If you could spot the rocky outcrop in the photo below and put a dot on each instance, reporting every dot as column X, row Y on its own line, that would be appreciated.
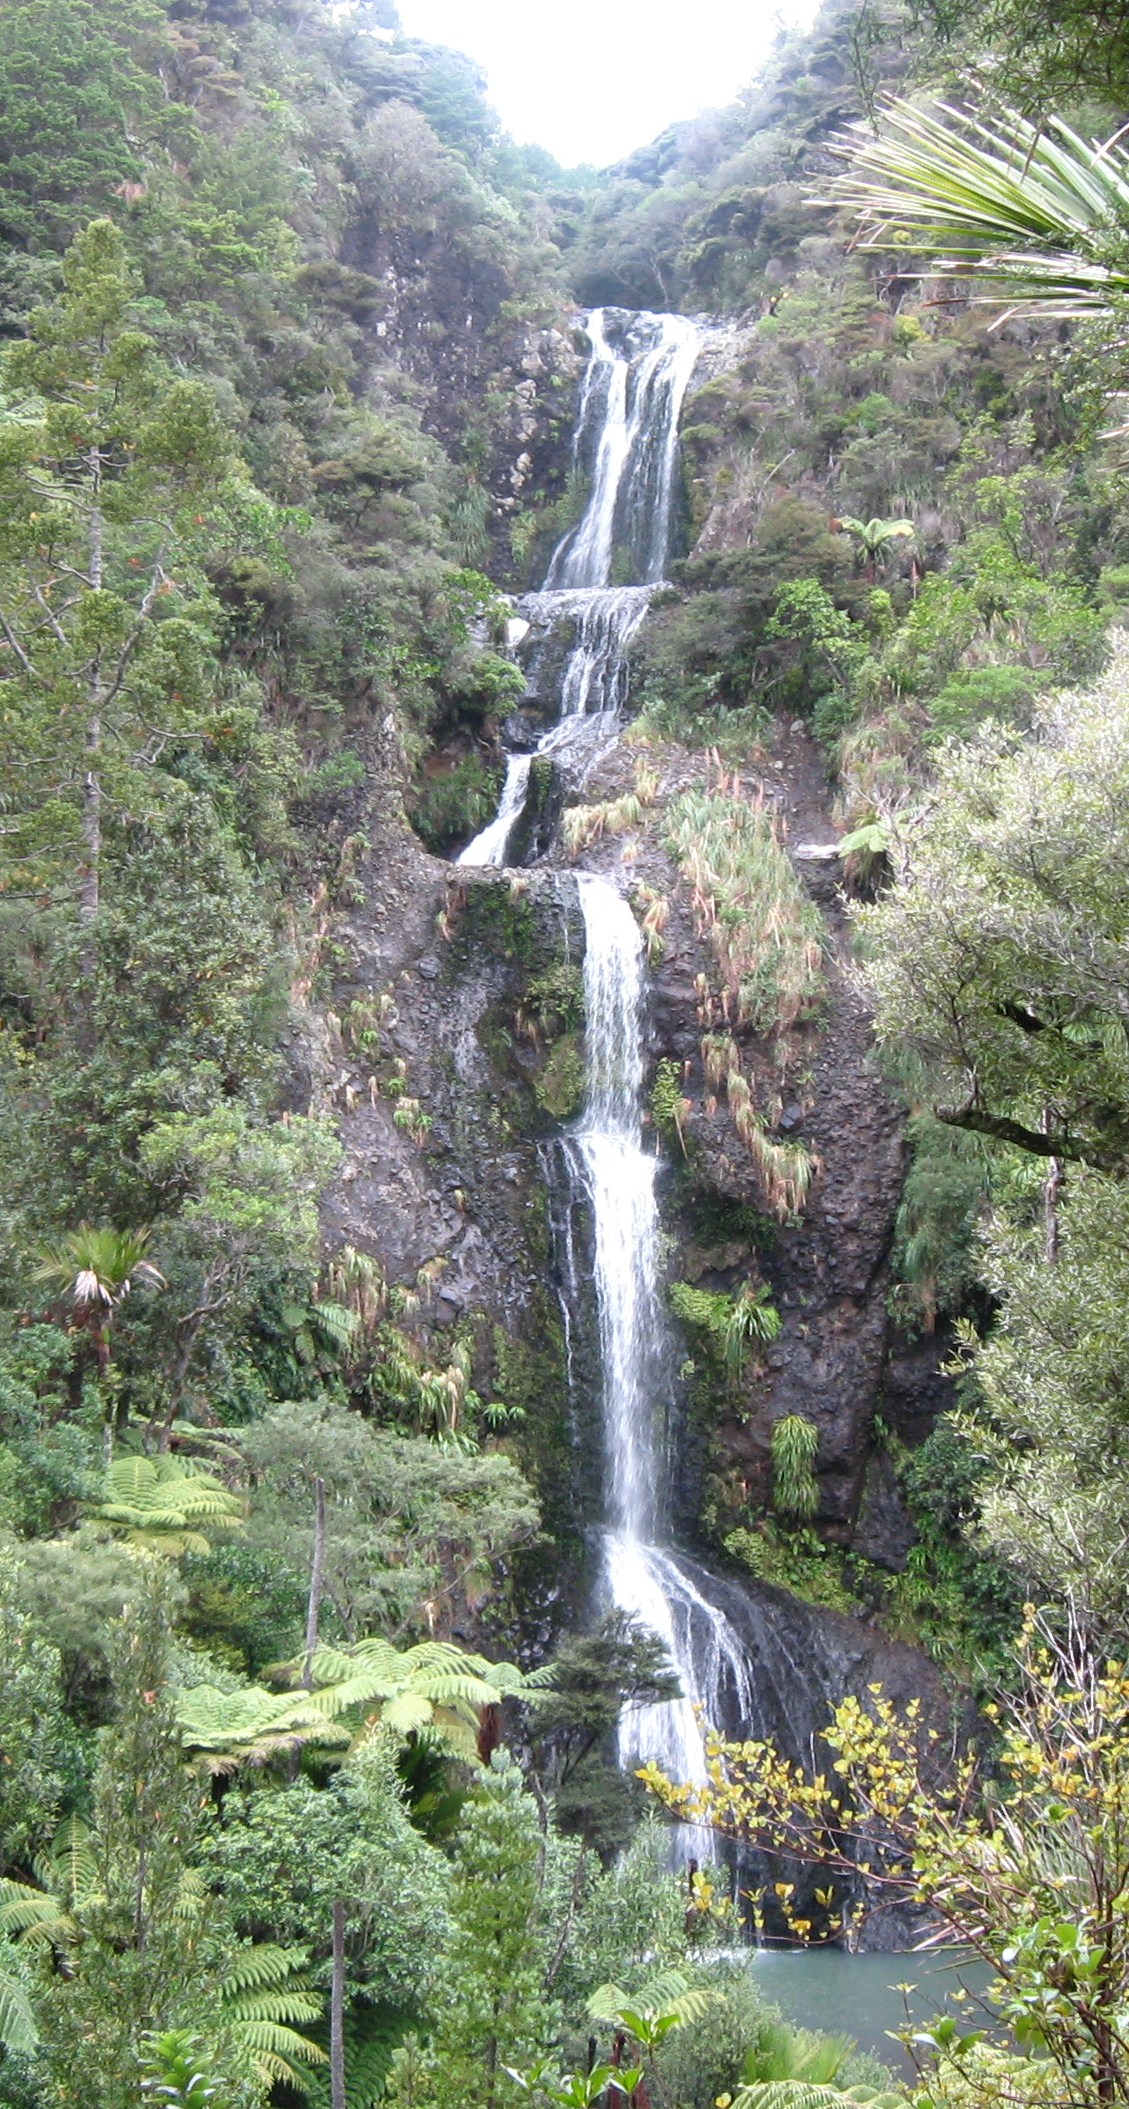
column 440, row 1060
column 498, row 392
column 827, row 1270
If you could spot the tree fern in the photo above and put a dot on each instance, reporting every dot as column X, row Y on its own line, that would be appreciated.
column 670, row 2000
column 808, row 2094
column 159, row 1503
column 250, row 1725
column 372, row 2037
column 266, row 2000
column 18, row 2031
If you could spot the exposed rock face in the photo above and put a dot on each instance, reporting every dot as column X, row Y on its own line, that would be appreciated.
column 436, row 312
column 449, row 1197
column 828, row 1272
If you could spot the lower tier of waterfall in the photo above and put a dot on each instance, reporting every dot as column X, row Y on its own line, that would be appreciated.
column 575, row 649
column 611, row 1179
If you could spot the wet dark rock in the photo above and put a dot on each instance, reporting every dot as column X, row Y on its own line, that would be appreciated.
column 884, row 1530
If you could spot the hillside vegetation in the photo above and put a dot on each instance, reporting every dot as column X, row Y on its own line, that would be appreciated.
column 309, row 1787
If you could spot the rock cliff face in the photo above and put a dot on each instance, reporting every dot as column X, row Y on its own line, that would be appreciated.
column 470, row 985
column 461, row 965
column 498, row 393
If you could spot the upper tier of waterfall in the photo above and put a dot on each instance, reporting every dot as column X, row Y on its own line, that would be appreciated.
column 580, row 626
column 627, row 442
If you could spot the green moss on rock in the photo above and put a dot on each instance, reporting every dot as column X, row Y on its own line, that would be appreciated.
column 560, row 1085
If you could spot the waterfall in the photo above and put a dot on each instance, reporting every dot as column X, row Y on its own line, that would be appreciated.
column 606, row 1161
column 491, row 845
column 627, row 435
column 637, row 376
column 600, row 625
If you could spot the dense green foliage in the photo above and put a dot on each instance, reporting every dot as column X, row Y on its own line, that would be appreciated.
column 279, row 312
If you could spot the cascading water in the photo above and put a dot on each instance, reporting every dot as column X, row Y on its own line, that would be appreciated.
column 637, row 376
column 606, row 1162
column 491, row 845
column 627, row 438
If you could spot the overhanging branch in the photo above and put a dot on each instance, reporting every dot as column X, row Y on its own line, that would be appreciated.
column 997, row 1125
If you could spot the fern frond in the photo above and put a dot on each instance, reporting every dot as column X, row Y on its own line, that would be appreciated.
column 17, row 2022
column 270, row 2038
column 803, row 2094
column 264, row 1964
column 288, row 2007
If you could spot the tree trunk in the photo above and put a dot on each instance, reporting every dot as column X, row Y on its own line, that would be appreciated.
column 337, row 2007
column 317, row 1585
column 90, row 879
column 1052, row 1190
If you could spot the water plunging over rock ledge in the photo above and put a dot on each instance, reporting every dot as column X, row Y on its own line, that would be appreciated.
column 581, row 625
column 563, row 1280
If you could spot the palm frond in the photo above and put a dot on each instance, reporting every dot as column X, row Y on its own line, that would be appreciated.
column 1038, row 210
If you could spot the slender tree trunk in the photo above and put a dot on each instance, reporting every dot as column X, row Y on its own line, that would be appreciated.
column 90, row 881
column 317, row 1585
column 1052, row 1191
column 337, row 2007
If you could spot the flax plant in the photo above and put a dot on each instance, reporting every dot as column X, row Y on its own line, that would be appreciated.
column 1036, row 209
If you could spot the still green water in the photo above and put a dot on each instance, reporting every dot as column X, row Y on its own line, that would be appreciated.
column 856, row 1995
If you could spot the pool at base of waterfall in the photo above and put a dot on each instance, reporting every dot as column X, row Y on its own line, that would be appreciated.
column 860, row 1995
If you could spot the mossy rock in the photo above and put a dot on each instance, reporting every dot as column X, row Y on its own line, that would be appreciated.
column 560, row 1086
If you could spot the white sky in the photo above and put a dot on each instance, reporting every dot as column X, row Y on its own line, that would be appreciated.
column 592, row 79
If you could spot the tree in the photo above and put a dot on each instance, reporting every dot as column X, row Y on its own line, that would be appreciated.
column 596, row 1676
column 35, row 1736
column 246, row 1195
column 96, row 1269
column 1040, row 49
column 492, row 2013
column 873, row 539
column 996, row 960
column 410, row 1527
column 1045, row 1410
column 81, row 108
column 1030, row 207
column 1028, row 1866
column 285, row 1854
column 108, row 469
column 148, row 1944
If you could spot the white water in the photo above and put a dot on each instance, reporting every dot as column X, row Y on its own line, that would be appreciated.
column 630, row 405
column 643, row 1576
column 632, row 398
column 628, row 427
column 491, row 845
